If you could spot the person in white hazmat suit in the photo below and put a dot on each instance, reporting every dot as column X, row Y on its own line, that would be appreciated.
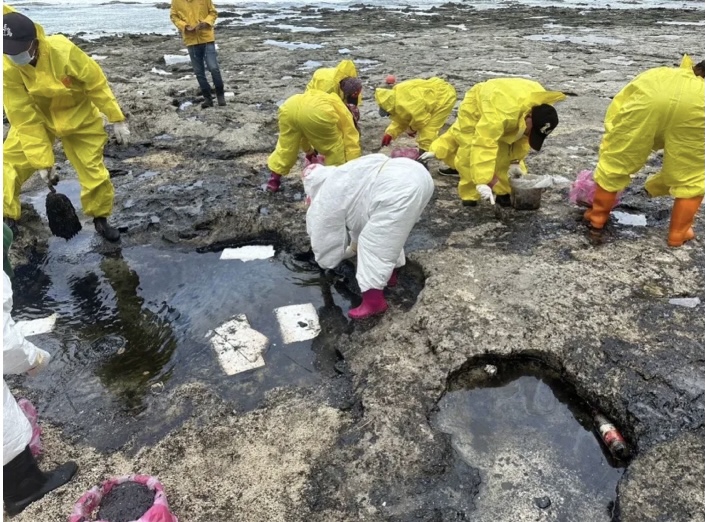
column 366, row 207
column 23, row 481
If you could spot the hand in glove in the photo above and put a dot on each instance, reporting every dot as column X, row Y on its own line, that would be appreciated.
column 411, row 132
column 515, row 171
column 311, row 155
column 426, row 156
column 351, row 251
column 121, row 132
column 386, row 140
column 49, row 176
column 40, row 362
column 486, row 193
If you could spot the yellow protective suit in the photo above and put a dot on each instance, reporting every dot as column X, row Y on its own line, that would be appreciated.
column 314, row 120
column 489, row 133
column 62, row 96
column 8, row 9
column 327, row 79
column 192, row 12
column 662, row 108
column 421, row 106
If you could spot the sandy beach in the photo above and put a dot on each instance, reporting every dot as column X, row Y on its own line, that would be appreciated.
column 528, row 284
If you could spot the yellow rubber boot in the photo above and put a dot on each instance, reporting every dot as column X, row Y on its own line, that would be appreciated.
column 601, row 207
column 682, row 217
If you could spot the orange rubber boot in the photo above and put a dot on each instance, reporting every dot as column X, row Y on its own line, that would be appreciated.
column 601, row 207
column 682, row 217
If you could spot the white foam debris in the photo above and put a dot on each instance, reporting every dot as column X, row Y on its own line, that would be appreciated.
column 632, row 220
column 344, row 50
column 248, row 253
column 175, row 59
column 297, row 29
column 99, row 57
column 229, row 94
column 293, row 45
column 298, row 322
column 238, row 346
column 37, row 326
column 311, row 64
column 160, row 72
column 461, row 27
column 688, row 302
column 185, row 105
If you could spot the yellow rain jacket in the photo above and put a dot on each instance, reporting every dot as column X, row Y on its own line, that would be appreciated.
column 192, row 12
column 63, row 95
column 420, row 106
column 489, row 132
column 687, row 62
column 327, row 79
column 314, row 120
column 662, row 108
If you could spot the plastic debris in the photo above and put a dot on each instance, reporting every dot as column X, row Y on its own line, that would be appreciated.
column 632, row 220
column 611, row 437
column 582, row 191
column 185, row 105
column 248, row 253
column 688, row 302
column 160, row 72
column 35, row 443
column 490, row 369
column 238, row 346
column 298, row 322
column 98, row 57
column 175, row 59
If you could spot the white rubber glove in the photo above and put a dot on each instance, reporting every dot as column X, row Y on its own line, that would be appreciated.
column 122, row 132
column 515, row 171
column 351, row 251
column 40, row 362
column 49, row 176
column 486, row 193
column 426, row 156
column 560, row 181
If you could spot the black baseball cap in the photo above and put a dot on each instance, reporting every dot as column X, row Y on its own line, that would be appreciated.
column 544, row 119
column 18, row 33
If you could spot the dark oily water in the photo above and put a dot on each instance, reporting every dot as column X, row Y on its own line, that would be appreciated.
column 126, row 502
column 133, row 326
column 532, row 441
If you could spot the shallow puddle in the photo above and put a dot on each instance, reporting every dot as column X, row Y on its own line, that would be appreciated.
column 532, row 440
column 135, row 323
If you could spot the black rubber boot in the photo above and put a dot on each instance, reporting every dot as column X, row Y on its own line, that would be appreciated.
column 220, row 95
column 23, row 482
column 104, row 229
column 207, row 102
column 505, row 200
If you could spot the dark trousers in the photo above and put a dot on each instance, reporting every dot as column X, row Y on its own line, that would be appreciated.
column 202, row 56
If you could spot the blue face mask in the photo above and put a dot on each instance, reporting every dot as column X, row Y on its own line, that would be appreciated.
column 23, row 58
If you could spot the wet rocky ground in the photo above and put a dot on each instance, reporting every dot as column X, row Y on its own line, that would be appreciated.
column 595, row 310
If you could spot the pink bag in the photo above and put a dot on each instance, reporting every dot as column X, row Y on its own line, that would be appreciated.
column 582, row 191
column 318, row 159
column 35, row 443
column 406, row 152
column 90, row 501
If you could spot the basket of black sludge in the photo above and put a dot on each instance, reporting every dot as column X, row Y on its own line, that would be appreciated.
column 132, row 498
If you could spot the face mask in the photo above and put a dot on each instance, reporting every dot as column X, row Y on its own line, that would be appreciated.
column 23, row 58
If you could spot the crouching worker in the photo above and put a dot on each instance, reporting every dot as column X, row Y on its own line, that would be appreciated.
column 418, row 107
column 314, row 121
column 662, row 108
column 22, row 480
column 367, row 208
column 341, row 80
column 51, row 88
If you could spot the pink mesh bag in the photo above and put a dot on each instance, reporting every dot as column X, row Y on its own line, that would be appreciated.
column 35, row 443
column 405, row 152
column 582, row 191
column 90, row 501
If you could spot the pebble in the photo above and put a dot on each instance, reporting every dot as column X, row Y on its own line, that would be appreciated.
column 542, row 502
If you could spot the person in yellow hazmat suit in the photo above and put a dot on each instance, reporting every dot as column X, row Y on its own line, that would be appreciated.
column 51, row 88
column 499, row 120
column 662, row 108
column 195, row 20
column 418, row 107
column 315, row 122
column 698, row 68
column 341, row 80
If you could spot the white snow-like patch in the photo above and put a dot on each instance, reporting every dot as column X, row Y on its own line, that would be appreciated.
column 298, row 322
column 248, row 253
column 238, row 346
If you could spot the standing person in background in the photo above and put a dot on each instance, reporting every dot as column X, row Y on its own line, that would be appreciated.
column 51, row 88
column 195, row 19
column 418, row 107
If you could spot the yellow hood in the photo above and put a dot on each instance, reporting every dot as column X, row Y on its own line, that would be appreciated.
column 386, row 99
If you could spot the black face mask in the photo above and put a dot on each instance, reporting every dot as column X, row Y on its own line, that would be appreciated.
column 383, row 113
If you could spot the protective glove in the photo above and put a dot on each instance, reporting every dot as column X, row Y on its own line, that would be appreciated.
column 426, row 156
column 411, row 132
column 121, row 132
column 515, row 171
column 49, row 176
column 351, row 251
column 311, row 155
column 486, row 193
column 40, row 362
column 386, row 140
column 560, row 181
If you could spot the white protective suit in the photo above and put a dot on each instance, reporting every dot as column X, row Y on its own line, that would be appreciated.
column 18, row 356
column 374, row 202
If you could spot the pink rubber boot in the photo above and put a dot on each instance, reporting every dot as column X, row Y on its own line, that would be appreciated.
column 392, row 279
column 274, row 182
column 373, row 303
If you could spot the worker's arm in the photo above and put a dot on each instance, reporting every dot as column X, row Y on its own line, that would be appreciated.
column 18, row 354
column 25, row 118
column 86, row 69
column 212, row 14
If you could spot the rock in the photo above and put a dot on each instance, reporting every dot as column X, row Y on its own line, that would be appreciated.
column 542, row 502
